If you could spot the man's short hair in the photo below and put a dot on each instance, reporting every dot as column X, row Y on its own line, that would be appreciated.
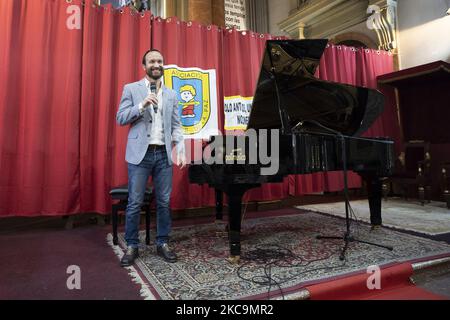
column 147, row 52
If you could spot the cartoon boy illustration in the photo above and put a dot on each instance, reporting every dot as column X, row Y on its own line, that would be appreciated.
column 188, row 94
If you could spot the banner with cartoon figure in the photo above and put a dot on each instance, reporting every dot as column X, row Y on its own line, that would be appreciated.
column 197, row 99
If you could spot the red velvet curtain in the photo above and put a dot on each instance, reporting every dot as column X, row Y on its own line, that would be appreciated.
column 242, row 56
column 113, row 44
column 40, row 72
column 189, row 44
column 373, row 63
column 61, row 149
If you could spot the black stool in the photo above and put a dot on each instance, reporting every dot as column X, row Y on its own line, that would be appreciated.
column 121, row 194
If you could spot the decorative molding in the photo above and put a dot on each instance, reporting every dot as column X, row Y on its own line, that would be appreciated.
column 356, row 36
column 331, row 18
column 311, row 14
column 385, row 23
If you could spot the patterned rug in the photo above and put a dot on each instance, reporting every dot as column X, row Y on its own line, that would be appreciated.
column 431, row 219
column 279, row 256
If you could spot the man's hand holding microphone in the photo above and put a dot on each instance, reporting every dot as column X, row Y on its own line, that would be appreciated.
column 151, row 99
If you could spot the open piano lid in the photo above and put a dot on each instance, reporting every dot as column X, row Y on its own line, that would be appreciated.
column 344, row 108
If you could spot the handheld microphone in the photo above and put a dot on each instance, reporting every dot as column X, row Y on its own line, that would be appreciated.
column 153, row 90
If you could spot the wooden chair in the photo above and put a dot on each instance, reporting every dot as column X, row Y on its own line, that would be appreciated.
column 413, row 171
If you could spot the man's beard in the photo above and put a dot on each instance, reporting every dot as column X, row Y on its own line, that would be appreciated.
column 155, row 77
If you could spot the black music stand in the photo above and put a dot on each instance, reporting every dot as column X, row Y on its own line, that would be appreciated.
column 347, row 237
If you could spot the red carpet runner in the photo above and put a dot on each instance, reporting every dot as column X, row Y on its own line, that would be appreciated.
column 394, row 285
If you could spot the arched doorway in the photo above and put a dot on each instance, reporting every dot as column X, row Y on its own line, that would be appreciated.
column 355, row 39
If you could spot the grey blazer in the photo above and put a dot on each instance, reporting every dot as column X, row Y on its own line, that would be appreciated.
column 140, row 125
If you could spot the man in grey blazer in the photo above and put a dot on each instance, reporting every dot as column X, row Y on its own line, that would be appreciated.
column 151, row 111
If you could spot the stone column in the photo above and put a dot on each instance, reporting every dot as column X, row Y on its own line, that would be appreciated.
column 200, row 11
column 169, row 8
column 218, row 13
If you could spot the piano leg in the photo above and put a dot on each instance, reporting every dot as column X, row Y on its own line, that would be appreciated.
column 375, row 193
column 221, row 227
column 219, row 204
column 235, row 194
column 234, row 227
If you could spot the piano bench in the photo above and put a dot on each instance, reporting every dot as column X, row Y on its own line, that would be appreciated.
column 121, row 194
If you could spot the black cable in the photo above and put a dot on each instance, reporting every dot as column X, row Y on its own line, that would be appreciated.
column 270, row 258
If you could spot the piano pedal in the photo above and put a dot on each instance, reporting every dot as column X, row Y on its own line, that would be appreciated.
column 374, row 228
column 234, row 259
column 221, row 229
column 221, row 234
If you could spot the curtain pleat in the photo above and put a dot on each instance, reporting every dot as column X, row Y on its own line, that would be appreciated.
column 61, row 149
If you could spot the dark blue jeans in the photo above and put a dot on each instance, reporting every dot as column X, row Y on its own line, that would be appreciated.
column 156, row 164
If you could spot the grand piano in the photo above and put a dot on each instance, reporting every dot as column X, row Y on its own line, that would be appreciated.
column 302, row 125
